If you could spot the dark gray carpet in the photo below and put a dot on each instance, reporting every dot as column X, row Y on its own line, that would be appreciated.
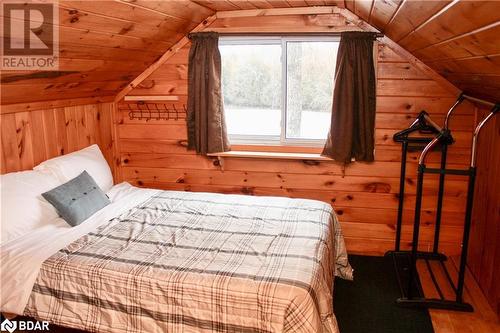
column 367, row 304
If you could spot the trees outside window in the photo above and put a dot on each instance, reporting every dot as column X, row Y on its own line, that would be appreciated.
column 278, row 90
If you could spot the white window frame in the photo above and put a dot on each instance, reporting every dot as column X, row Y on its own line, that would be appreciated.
column 282, row 40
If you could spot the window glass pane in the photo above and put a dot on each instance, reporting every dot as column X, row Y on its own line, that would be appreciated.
column 251, row 86
column 310, row 73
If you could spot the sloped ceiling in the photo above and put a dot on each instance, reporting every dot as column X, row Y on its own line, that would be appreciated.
column 105, row 44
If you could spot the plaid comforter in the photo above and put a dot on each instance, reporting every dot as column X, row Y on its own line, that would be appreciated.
column 199, row 262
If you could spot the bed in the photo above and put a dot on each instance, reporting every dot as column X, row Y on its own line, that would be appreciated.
column 169, row 261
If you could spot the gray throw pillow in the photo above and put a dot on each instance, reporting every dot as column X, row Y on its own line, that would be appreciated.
column 77, row 199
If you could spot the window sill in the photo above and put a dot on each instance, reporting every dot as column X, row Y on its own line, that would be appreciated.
column 269, row 155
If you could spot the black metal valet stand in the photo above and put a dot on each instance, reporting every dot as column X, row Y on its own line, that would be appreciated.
column 405, row 262
column 423, row 126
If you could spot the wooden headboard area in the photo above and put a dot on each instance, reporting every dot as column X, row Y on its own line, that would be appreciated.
column 31, row 137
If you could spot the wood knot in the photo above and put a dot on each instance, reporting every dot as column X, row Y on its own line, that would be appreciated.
column 125, row 30
column 146, row 85
column 378, row 187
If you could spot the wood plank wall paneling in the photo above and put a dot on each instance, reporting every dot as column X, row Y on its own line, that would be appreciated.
column 31, row 137
column 153, row 154
column 484, row 254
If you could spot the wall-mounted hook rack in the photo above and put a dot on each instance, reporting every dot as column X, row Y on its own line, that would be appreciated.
column 155, row 111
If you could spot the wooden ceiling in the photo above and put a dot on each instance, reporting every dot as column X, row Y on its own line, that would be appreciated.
column 106, row 44
column 103, row 46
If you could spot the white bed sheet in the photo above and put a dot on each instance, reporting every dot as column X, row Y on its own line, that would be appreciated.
column 21, row 259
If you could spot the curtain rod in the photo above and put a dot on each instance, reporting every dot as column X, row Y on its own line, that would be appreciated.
column 227, row 34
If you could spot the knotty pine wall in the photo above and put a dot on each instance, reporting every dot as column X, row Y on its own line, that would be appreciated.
column 153, row 154
column 31, row 137
column 484, row 253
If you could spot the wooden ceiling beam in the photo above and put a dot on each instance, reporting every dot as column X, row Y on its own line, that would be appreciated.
column 167, row 55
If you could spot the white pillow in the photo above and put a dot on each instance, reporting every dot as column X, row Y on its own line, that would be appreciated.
column 23, row 209
column 69, row 166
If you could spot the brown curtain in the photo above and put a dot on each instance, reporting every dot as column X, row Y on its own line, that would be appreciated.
column 353, row 111
column 205, row 109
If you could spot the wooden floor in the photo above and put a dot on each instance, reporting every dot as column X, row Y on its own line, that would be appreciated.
column 482, row 320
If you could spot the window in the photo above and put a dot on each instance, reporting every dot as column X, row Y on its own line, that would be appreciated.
column 278, row 90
